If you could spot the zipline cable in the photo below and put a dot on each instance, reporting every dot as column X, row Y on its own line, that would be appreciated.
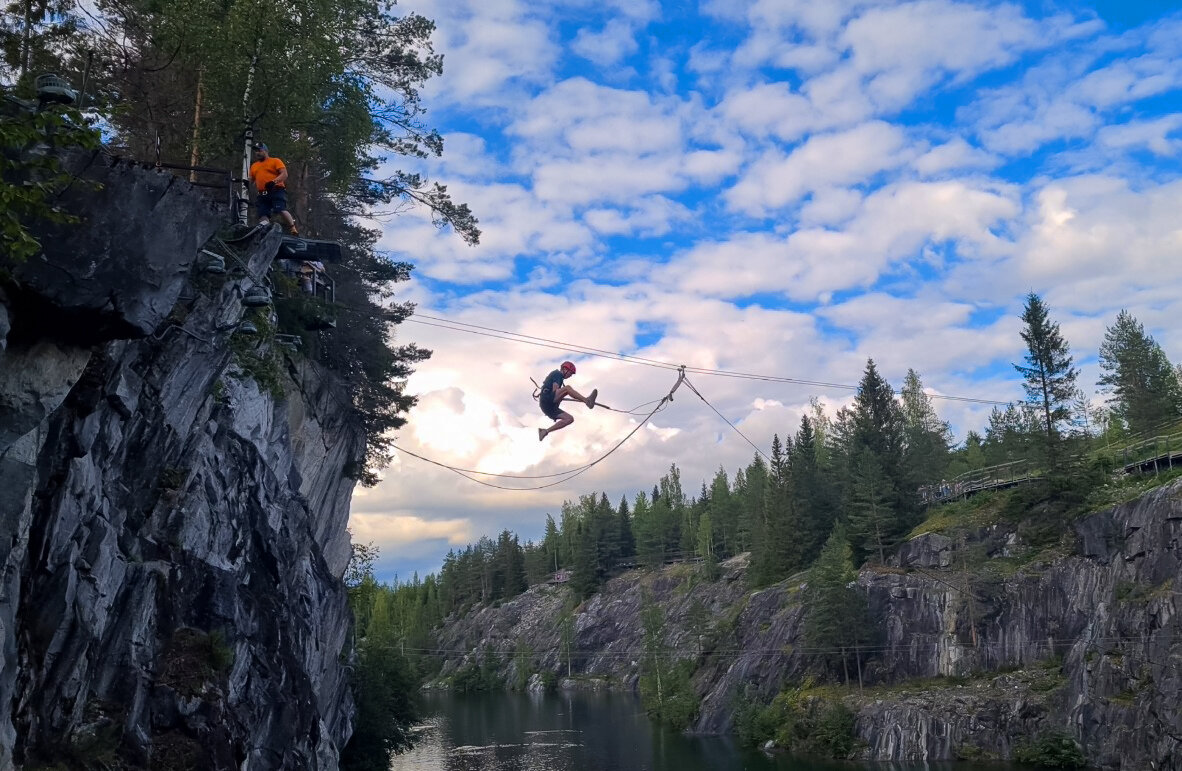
column 544, row 342
column 724, row 420
column 567, row 475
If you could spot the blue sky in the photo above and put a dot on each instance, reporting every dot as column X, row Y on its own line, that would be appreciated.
column 784, row 187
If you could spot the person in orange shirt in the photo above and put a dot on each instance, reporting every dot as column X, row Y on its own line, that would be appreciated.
column 270, row 178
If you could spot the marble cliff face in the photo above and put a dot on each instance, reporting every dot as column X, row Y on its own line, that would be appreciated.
column 172, row 537
column 1085, row 639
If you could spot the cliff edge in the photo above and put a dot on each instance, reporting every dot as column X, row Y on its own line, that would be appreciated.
column 172, row 535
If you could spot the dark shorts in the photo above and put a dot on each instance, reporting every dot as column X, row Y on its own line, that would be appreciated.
column 271, row 203
column 549, row 408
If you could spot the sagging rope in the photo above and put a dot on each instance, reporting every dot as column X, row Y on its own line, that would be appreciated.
column 567, row 475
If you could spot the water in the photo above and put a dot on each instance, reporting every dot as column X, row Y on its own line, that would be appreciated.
column 579, row 731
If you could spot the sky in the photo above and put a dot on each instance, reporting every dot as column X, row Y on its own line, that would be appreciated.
column 779, row 187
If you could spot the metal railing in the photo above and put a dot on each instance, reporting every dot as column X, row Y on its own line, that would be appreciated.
column 199, row 176
column 989, row 478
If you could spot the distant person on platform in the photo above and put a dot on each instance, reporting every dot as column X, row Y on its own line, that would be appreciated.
column 270, row 179
column 553, row 391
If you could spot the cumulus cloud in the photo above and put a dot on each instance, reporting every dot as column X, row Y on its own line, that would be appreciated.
column 845, row 158
column 609, row 46
column 815, row 183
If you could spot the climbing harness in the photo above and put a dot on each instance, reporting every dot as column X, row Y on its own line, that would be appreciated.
column 637, row 410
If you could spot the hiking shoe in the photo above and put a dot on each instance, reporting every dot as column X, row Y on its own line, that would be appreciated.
column 591, row 399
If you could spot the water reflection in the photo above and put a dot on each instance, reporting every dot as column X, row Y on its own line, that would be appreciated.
column 581, row 732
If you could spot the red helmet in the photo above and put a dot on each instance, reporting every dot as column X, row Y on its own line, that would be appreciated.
column 568, row 365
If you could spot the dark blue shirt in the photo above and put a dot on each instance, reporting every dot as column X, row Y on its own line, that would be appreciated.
column 555, row 378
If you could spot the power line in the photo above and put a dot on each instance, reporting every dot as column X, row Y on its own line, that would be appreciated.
column 544, row 342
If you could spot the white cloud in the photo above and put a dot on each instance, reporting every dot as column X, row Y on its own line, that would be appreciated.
column 954, row 155
column 892, row 225
column 844, row 158
column 608, row 47
column 491, row 49
column 1152, row 135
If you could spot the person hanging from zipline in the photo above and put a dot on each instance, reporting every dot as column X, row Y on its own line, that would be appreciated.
column 553, row 391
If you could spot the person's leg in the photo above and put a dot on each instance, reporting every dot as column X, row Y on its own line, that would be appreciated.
column 279, row 208
column 286, row 218
column 568, row 392
column 262, row 205
column 563, row 420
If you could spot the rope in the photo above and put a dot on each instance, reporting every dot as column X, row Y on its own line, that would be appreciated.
column 566, row 475
column 724, row 420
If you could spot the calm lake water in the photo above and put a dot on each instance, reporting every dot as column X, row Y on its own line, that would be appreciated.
column 580, row 731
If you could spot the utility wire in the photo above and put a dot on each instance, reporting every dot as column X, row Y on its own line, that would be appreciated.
column 543, row 342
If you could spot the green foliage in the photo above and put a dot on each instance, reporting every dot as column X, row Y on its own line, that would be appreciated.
column 1051, row 749
column 388, row 622
column 835, row 609
column 1049, row 374
column 256, row 357
column 221, row 655
column 384, row 691
column 668, row 695
column 800, row 720
column 1143, row 386
column 31, row 174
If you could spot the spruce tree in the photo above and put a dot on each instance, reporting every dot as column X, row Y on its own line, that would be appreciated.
column 813, row 502
column 624, row 532
column 927, row 437
column 873, row 522
column 1049, row 372
column 877, row 428
column 1143, row 384
column 834, row 608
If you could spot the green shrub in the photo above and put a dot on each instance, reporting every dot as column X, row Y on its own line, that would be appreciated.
column 799, row 720
column 668, row 694
column 1051, row 749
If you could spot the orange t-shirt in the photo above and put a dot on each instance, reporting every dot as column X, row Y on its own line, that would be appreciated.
column 266, row 171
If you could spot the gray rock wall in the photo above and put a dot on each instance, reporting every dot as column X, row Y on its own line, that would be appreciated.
column 1091, row 630
column 172, row 538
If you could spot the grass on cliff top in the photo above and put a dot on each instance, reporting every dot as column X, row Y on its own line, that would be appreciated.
column 979, row 511
column 1126, row 488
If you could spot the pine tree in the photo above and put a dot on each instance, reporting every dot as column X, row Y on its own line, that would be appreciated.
column 835, row 609
column 552, row 545
column 624, row 530
column 876, row 428
column 813, row 501
column 927, row 437
column 873, row 523
column 724, row 515
column 1143, row 384
column 1049, row 373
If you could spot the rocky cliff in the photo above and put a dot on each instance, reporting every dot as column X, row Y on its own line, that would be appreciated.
column 981, row 642
column 172, row 536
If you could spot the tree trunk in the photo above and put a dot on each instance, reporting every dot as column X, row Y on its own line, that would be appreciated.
column 26, row 41
column 194, row 155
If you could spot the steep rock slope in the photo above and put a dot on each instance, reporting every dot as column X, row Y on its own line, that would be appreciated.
column 172, row 538
column 1084, row 637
